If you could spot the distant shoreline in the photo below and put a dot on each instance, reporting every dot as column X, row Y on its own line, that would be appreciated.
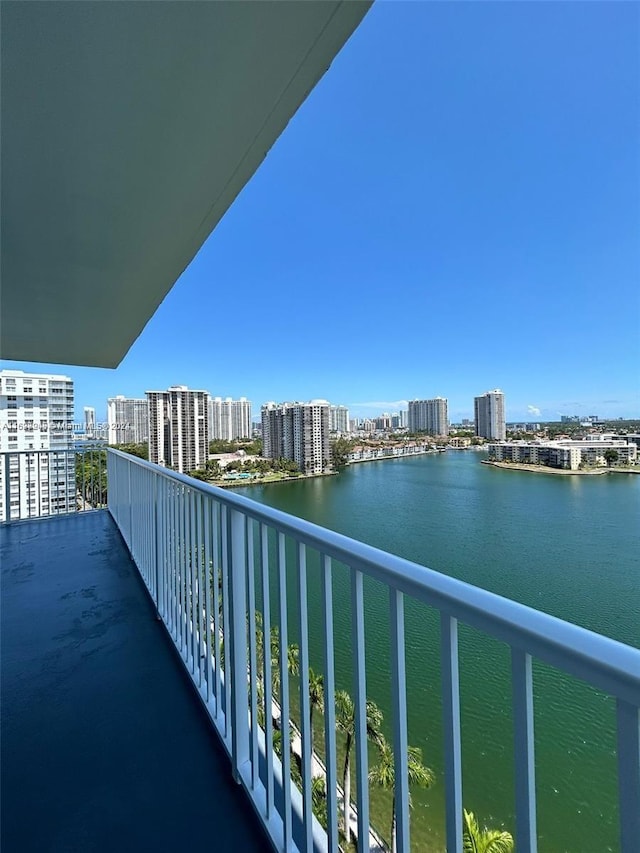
column 544, row 469
column 235, row 484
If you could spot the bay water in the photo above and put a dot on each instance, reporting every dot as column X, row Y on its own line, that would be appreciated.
column 564, row 545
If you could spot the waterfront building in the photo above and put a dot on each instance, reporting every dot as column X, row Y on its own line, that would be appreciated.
column 490, row 415
column 565, row 453
column 127, row 420
column 229, row 419
column 339, row 419
column 36, row 414
column 459, row 442
column 431, row 416
column 179, row 428
column 297, row 431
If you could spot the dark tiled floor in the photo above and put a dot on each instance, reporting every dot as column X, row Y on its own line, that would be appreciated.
column 104, row 744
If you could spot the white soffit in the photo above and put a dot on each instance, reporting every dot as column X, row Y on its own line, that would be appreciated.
column 128, row 128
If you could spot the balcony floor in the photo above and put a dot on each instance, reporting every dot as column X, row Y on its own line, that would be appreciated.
column 104, row 744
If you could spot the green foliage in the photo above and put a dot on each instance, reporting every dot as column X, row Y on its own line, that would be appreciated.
column 340, row 449
column 383, row 775
column 140, row 450
column 251, row 448
column 610, row 456
column 255, row 466
column 477, row 840
column 91, row 476
column 346, row 722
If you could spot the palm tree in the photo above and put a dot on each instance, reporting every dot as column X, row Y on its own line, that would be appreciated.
column 293, row 655
column 319, row 799
column 384, row 776
column 316, row 698
column 476, row 840
column 346, row 722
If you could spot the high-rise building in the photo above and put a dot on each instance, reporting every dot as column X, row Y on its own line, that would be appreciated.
column 89, row 422
column 36, row 414
column 297, row 431
column 489, row 415
column 128, row 420
column 229, row 419
column 179, row 428
column 430, row 416
column 339, row 419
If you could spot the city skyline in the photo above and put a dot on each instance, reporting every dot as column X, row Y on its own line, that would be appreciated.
column 500, row 192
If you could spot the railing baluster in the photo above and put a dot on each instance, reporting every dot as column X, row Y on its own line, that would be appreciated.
column 329, row 706
column 628, row 726
column 226, row 625
column 305, row 710
column 284, row 689
column 251, row 604
column 525, row 783
column 217, row 562
column 164, row 548
column 451, row 730
column 174, row 561
column 399, row 705
column 266, row 663
column 200, row 658
column 360, row 702
column 236, row 631
column 193, row 559
column 184, row 586
column 207, row 585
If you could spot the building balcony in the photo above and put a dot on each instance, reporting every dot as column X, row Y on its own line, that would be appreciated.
column 140, row 701
column 104, row 746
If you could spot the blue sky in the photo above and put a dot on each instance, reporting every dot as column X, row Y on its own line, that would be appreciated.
column 455, row 208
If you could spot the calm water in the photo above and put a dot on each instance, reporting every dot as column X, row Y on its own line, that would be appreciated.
column 565, row 545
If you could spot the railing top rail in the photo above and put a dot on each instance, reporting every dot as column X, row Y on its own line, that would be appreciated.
column 607, row 664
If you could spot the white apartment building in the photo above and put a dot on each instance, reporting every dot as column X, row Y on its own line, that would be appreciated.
column 339, row 419
column 297, row 431
column 89, row 422
column 431, row 416
column 128, row 420
column 179, row 428
column 36, row 425
column 229, row 419
column 489, row 413
column 564, row 453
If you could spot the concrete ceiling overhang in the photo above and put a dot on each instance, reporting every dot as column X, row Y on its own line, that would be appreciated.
column 128, row 129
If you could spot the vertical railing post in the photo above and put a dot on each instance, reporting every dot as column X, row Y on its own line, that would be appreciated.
column 399, row 700
column 628, row 725
column 525, row 783
column 6, row 461
column 237, row 634
column 360, row 707
column 451, row 729
column 156, row 543
column 129, row 537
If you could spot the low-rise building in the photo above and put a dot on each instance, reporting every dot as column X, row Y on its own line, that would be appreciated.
column 565, row 453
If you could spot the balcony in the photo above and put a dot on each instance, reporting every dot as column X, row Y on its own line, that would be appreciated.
column 104, row 747
column 144, row 627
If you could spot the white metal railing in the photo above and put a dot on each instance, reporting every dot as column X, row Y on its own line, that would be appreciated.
column 208, row 558
column 39, row 483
